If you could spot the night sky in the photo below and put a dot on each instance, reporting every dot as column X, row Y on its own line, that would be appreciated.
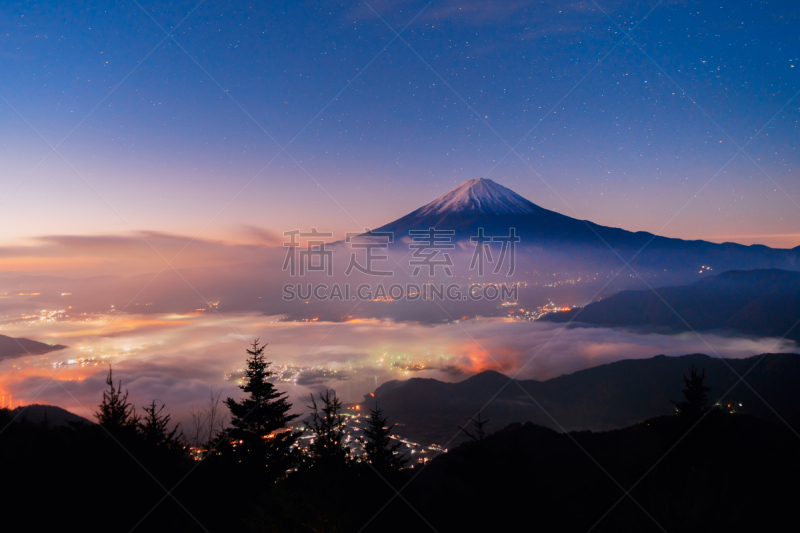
column 204, row 131
column 181, row 134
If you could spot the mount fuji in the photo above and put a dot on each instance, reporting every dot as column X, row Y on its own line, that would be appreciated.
column 552, row 242
column 482, row 196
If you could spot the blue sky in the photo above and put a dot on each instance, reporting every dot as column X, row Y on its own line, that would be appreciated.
column 161, row 134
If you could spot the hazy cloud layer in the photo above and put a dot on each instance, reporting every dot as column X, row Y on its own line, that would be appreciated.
column 179, row 363
column 130, row 254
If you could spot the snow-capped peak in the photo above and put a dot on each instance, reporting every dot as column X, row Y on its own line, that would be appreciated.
column 480, row 195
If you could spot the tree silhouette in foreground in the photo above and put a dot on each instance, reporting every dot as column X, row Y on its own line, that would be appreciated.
column 208, row 423
column 259, row 420
column 327, row 424
column 380, row 451
column 477, row 424
column 116, row 414
column 154, row 428
column 695, row 393
column 320, row 495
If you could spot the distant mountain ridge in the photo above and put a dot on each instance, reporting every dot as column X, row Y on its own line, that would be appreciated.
column 746, row 302
column 11, row 347
column 602, row 398
column 52, row 415
column 554, row 242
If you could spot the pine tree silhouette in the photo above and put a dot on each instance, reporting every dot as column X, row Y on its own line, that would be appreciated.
column 154, row 428
column 695, row 393
column 327, row 424
column 477, row 424
column 116, row 414
column 259, row 434
column 380, row 451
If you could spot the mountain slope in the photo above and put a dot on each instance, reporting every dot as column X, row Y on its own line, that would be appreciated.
column 484, row 203
column 480, row 195
column 11, row 347
column 752, row 302
column 554, row 242
column 605, row 397
column 38, row 414
column 572, row 482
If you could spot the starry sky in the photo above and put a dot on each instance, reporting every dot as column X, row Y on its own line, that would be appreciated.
column 223, row 119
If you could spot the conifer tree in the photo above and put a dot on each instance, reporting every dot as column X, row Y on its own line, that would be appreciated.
column 259, row 420
column 695, row 394
column 154, row 428
column 327, row 424
column 380, row 451
column 116, row 414
column 477, row 425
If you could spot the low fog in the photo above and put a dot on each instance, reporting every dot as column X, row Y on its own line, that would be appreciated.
column 179, row 359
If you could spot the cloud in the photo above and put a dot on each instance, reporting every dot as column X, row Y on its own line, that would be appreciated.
column 94, row 273
column 129, row 254
column 179, row 365
column 452, row 370
column 317, row 378
column 260, row 236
